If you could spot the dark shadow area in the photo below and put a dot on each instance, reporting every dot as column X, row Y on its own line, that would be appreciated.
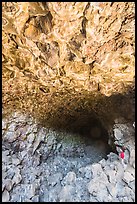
column 82, row 113
column 79, row 113
column 94, row 119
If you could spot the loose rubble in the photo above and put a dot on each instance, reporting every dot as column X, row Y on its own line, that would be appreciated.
column 43, row 165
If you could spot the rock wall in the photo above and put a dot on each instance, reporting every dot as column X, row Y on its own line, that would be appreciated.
column 42, row 165
column 71, row 66
column 69, row 62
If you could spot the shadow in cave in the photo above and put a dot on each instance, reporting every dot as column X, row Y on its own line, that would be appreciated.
column 92, row 122
column 81, row 113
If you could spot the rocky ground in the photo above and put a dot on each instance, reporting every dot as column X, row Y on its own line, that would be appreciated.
column 43, row 165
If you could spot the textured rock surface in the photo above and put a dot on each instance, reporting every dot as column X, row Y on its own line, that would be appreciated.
column 79, row 54
column 70, row 65
column 61, row 169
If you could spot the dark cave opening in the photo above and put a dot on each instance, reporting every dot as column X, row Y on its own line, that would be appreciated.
column 92, row 130
column 92, row 119
column 87, row 126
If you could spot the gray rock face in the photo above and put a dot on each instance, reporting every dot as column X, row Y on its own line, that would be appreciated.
column 98, row 189
column 67, row 193
column 128, row 177
column 54, row 179
column 5, row 196
column 70, row 178
column 8, row 184
column 118, row 134
column 47, row 166
column 35, row 198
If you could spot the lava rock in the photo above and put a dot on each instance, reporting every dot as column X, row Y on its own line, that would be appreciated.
column 128, row 177
column 66, row 194
column 5, row 196
column 54, row 179
column 70, row 178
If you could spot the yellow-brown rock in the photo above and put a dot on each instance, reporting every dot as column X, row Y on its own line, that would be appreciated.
column 64, row 62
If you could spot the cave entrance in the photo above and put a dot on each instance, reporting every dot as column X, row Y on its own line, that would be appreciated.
column 86, row 132
column 82, row 124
